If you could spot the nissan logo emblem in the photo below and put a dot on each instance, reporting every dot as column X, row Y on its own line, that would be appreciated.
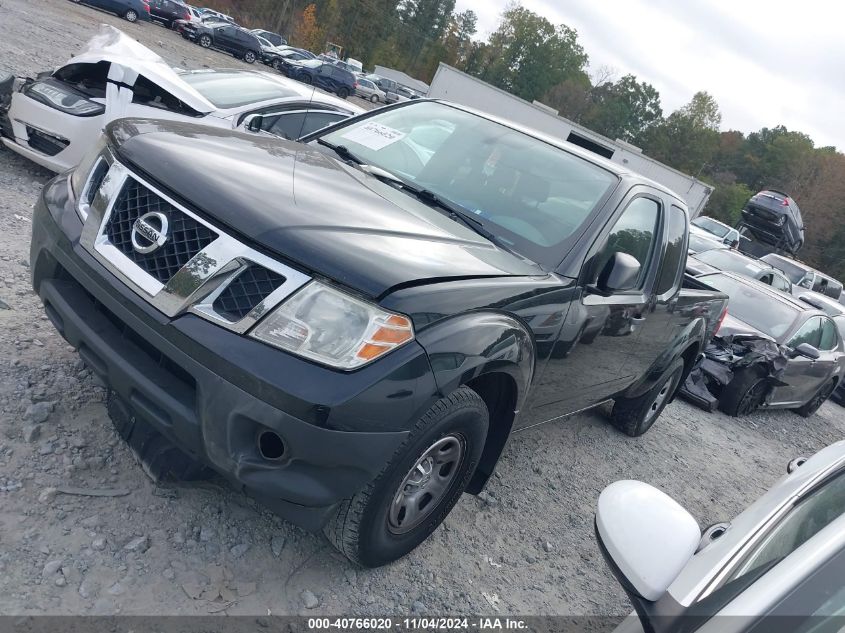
column 149, row 232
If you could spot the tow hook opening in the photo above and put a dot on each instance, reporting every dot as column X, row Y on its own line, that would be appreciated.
column 271, row 446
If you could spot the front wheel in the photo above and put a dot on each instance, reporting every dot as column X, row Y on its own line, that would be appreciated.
column 374, row 98
column 746, row 392
column 818, row 400
column 131, row 16
column 249, row 57
column 277, row 65
column 205, row 41
column 424, row 479
column 343, row 93
column 306, row 79
column 635, row 416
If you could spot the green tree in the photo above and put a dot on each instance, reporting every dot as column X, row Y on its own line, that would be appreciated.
column 688, row 139
column 623, row 109
column 527, row 54
column 425, row 21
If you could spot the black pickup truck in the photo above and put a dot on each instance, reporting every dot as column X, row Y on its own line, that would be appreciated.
column 350, row 328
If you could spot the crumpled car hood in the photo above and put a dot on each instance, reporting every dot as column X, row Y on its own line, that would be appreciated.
column 114, row 46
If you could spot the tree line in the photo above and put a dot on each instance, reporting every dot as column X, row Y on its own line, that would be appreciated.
column 529, row 56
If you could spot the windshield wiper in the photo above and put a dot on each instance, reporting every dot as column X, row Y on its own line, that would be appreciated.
column 454, row 210
column 342, row 151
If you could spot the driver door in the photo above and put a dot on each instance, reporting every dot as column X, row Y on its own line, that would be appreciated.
column 591, row 359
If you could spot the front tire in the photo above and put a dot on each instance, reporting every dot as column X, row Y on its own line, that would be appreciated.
column 131, row 16
column 249, row 57
column 343, row 93
column 635, row 416
column 421, row 483
column 374, row 99
column 817, row 400
column 745, row 393
column 205, row 41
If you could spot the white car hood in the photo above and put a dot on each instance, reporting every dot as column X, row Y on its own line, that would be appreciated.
column 130, row 58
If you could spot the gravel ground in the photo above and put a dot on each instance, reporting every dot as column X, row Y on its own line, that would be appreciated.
column 525, row 546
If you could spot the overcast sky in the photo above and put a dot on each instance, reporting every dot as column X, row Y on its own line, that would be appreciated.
column 766, row 63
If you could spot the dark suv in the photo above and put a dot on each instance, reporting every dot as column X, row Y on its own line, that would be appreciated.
column 225, row 37
column 774, row 218
column 167, row 12
column 326, row 76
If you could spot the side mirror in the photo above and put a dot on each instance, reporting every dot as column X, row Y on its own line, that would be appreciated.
column 647, row 537
column 807, row 351
column 619, row 273
column 253, row 123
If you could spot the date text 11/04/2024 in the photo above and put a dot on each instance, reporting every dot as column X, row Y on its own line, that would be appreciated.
column 416, row 624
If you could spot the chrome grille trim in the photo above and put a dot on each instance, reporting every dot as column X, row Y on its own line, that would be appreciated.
column 199, row 282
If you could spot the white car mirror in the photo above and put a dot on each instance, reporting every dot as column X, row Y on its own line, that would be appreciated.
column 647, row 535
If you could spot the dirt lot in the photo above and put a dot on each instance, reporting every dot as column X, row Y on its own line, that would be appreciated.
column 526, row 546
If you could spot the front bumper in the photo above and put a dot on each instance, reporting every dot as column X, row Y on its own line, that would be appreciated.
column 211, row 391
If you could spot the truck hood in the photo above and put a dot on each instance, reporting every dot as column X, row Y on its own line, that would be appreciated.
column 310, row 208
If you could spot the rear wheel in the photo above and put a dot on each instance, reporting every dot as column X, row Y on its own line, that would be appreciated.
column 205, row 41
column 249, row 57
column 635, row 416
column 746, row 392
column 424, row 479
column 131, row 15
column 818, row 400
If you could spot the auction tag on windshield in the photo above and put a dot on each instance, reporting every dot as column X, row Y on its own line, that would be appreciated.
column 374, row 135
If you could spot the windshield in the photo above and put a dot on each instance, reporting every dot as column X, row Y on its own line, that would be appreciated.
column 795, row 272
column 754, row 306
column 733, row 262
column 234, row 89
column 711, row 226
column 530, row 195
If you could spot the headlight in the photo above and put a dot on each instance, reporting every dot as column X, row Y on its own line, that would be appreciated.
column 333, row 328
column 64, row 100
column 82, row 180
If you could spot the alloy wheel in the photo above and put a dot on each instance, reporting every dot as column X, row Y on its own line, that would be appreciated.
column 752, row 398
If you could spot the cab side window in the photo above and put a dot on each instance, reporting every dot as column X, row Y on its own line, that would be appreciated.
column 633, row 234
column 675, row 257
column 810, row 332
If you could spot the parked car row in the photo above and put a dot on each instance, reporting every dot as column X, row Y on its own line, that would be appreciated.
column 212, row 29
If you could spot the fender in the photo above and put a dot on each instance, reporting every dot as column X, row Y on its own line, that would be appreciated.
column 472, row 344
column 691, row 336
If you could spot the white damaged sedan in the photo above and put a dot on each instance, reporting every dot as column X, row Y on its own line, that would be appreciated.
column 56, row 118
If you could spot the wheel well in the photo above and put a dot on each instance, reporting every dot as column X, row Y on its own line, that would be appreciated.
column 690, row 355
column 499, row 393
